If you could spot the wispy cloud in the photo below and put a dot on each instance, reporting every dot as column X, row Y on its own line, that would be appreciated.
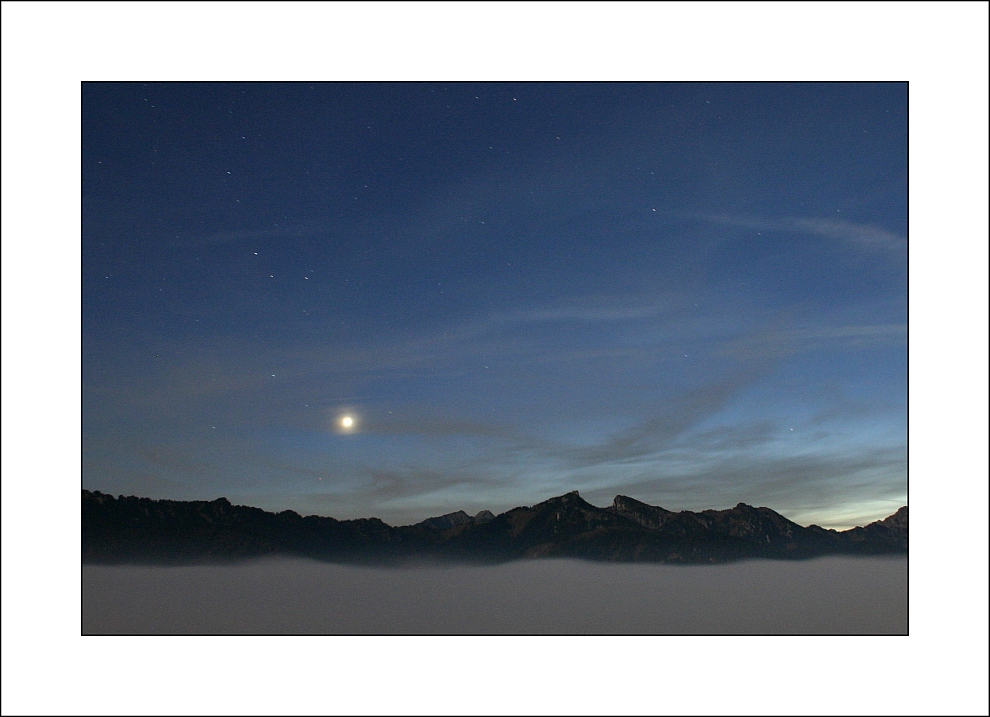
column 681, row 413
column 587, row 314
column 781, row 341
column 867, row 237
column 273, row 386
column 459, row 448
column 244, row 235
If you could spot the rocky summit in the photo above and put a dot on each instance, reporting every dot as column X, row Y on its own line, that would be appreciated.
column 142, row 530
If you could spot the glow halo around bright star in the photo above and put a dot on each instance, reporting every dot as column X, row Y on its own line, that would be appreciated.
column 346, row 423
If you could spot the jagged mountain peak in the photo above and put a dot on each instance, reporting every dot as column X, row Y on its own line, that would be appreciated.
column 643, row 514
column 456, row 519
column 448, row 520
column 897, row 521
column 484, row 516
column 572, row 499
column 624, row 500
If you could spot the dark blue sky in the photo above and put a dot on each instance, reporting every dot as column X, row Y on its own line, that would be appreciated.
column 693, row 294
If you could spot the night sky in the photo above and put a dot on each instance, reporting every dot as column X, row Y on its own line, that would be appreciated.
column 692, row 294
column 775, row 260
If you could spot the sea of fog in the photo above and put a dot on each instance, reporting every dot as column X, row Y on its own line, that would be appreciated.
column 833, row 595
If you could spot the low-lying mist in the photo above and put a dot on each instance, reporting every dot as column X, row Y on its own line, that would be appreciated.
column 832, row 595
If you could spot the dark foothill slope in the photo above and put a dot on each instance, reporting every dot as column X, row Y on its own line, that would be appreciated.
column 130, row 529
column 882, row 536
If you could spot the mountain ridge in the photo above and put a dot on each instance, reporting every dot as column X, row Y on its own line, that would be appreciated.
column 142, row 530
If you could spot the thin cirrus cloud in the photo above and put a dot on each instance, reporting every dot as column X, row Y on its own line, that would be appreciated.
column 226, row 375
column 245, row 235
column 840, row 488
column 780, row 341
column 664, row 448
column 671, row 437
column 866, row 237
column 587, row 314
column 671, row 453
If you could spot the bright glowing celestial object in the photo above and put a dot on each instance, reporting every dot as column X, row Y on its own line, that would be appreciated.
column 345, row 420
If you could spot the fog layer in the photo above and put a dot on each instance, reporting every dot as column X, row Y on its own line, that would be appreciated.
column 834, row 595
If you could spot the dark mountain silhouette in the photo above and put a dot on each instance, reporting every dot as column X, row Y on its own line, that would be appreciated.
column 891, row 530
column 141, row 530
column 452, row 520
